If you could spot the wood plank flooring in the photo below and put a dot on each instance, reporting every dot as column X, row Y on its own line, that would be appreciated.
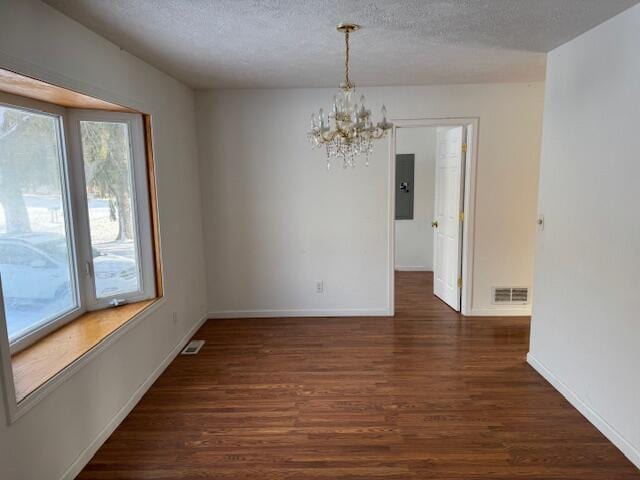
column 426, row 395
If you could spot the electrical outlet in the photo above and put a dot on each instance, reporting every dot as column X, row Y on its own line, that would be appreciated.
column 175, row 318
column 319, row 286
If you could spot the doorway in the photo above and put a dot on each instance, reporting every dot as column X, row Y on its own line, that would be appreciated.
column 432, row 181
column 415, row 196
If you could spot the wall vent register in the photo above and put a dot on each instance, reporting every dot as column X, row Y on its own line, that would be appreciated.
column 192, row 347
column 510, row 295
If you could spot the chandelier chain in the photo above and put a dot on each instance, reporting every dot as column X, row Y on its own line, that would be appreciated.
column 346, row 60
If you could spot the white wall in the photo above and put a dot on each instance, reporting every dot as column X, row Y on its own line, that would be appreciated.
column 37, row 40
column 276, row 221
column 585, row 330
column 414, row 238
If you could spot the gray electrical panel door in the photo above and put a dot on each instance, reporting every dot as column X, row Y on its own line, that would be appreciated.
column 405, row 165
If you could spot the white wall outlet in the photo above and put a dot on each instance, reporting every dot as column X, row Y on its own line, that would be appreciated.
column 319, row 286
column 175, row 318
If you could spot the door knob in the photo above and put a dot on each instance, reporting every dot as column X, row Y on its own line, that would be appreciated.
column 434, row 224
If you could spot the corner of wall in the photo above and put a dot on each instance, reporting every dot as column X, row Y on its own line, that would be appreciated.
column 615, row 437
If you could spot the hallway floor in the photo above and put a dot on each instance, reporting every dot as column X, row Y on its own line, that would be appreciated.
column 425, row 395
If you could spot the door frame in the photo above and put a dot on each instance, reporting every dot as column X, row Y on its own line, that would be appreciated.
column 469, row 203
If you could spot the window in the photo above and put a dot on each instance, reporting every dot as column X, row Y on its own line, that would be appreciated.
column 106, row 155
column 36, row 258
column 75, row 230
column 116, row 228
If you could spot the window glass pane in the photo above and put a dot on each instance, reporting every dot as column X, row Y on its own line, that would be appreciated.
column 107, row 158
column 35, row 258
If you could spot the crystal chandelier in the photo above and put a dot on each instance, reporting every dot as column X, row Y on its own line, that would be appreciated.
column 348, row 130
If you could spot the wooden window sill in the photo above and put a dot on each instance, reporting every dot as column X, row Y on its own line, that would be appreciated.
column 40, row 362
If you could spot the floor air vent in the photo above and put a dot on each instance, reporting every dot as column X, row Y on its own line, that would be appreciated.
column 511, row 295
column 192, row 347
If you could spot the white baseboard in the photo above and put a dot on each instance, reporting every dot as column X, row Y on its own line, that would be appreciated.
column 399, row 268
column 502, row 311
column 382, row 312
column 631, row 452
column 88, row 453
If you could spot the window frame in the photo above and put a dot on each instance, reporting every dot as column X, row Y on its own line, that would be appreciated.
column 73, row 191
column 141, row 208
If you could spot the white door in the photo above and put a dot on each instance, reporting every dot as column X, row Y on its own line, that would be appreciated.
column 447, row 224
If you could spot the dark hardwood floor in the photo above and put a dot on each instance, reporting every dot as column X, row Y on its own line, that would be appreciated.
column 425, row 395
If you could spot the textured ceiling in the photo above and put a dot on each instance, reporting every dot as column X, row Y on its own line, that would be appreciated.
column 293, row 43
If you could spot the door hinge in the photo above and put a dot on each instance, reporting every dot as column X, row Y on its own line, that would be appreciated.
column 459, row 282
column 462, row 216
column 464, row 148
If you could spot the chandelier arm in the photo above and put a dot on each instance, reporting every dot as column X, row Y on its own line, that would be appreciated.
column 378, row 133
column 330, row 137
